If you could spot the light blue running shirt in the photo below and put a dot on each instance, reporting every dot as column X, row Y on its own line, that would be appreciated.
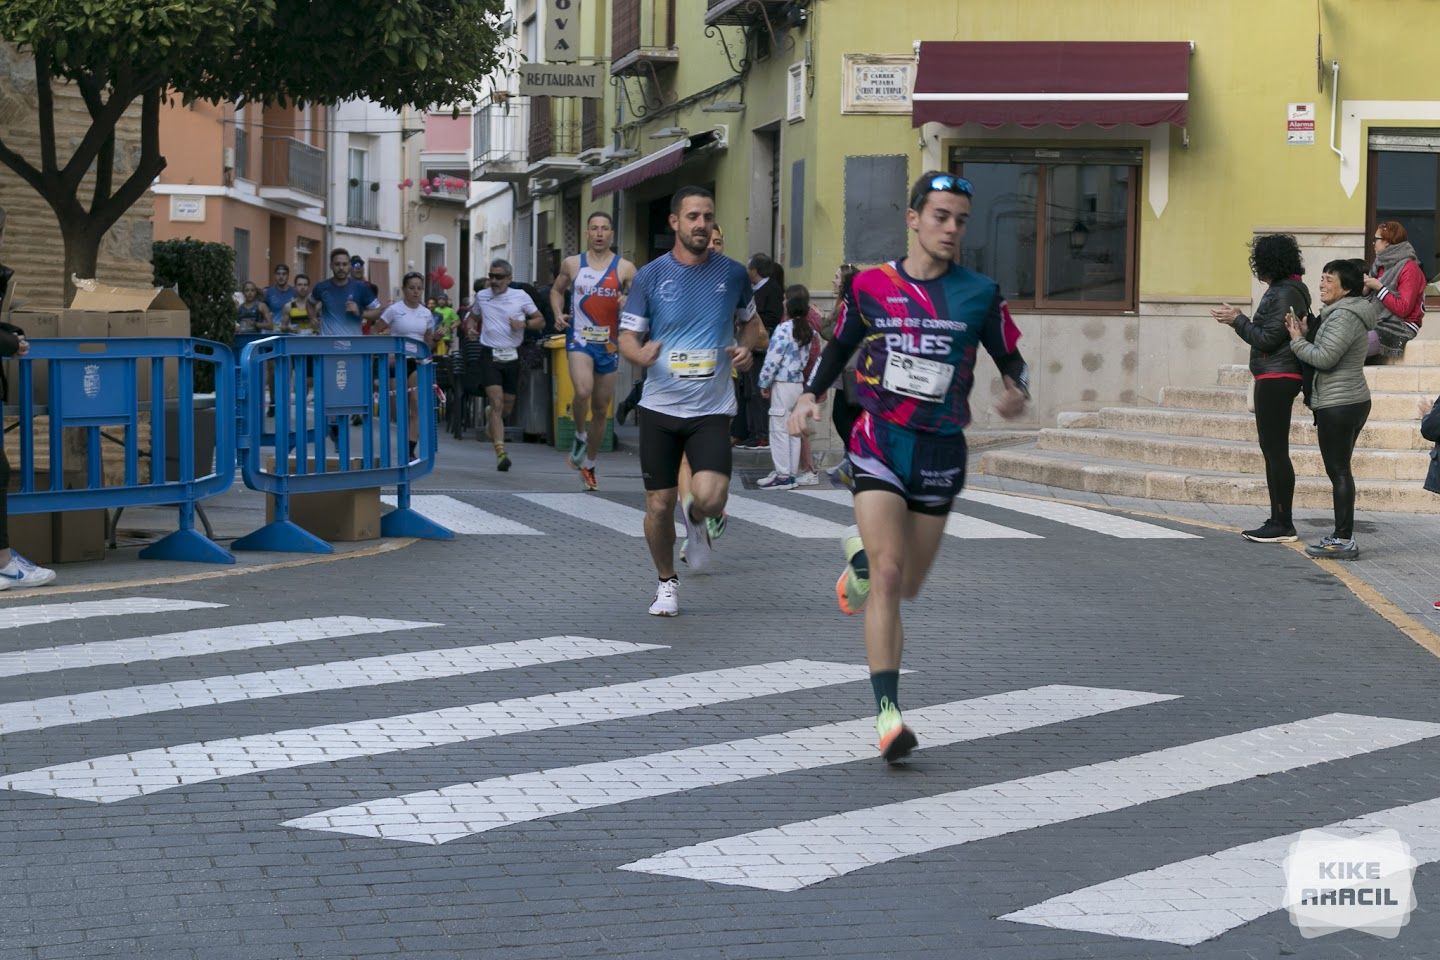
column 692, row 311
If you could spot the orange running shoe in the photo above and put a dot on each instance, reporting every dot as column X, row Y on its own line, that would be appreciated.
column 587, row 474
column 896, row 739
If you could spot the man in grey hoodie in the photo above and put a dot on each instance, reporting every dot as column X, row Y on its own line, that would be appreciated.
column 1339, row 395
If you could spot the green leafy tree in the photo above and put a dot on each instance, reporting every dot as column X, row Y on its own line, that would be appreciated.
column 118, row 52
column 204, row 275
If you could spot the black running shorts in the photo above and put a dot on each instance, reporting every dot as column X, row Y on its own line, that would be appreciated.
column 704, row 441
column 493, row 373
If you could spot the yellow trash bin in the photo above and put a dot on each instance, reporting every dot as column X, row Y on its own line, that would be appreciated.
column 563, row 425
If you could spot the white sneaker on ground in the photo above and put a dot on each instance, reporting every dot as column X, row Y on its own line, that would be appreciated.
column 20, row 572
column 777, row 483
column 667, row 599
column 808, row 479
column 768, row 478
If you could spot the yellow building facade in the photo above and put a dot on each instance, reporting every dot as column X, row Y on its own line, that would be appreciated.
column 1112, row 241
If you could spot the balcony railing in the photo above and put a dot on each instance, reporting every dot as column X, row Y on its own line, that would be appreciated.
column 590, row 131
column 555, row 128
column 292, row 164
column 445, row 189
column 362, row 204
column 744, row 12
column 242, row 153
column 642, row 30
column 500, row 134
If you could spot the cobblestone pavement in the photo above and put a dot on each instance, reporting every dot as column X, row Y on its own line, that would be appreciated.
column 486, row 748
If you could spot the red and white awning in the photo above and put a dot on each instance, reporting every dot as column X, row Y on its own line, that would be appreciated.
column 638, row 171
column 1064, row 83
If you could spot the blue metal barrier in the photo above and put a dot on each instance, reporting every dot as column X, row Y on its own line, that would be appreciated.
column 95, row 384
column 320, row 384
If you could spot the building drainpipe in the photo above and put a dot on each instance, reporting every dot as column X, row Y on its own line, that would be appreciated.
column 329, row 184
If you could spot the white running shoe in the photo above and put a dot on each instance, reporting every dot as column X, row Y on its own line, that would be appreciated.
column 697, row 539
column 667, row 599
column 20, row 572
column 808, row 479
column 767, row 479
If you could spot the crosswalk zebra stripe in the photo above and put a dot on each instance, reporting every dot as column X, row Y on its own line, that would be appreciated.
column 119, row 776
column 1094, row 520
column 594, row 509
column 195, row 643
column 958, row 525
column 790, row 522
column 800, row 854
column 464, row 518
column 13, row 617
column 463, row 810
column 1191, row 901
column 336, row 675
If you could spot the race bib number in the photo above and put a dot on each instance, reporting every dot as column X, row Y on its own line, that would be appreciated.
column 505, row 354
column 595, row 335
column 693, row 364
column 917, row 377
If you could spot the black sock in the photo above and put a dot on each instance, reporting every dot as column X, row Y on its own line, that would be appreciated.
column 887, row 687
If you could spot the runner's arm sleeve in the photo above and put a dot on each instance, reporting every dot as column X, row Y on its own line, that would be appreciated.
column 636, row 314
column 850, row 327
column 1002, row 341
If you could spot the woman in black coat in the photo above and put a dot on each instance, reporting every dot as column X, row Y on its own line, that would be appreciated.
column 1430, row 430
column 1275, row 261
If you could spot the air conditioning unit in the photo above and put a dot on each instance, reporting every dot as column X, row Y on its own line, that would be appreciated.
column 618, row 153
column 229, row 160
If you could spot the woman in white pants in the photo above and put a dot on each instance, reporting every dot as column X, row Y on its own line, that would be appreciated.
column 782, row 379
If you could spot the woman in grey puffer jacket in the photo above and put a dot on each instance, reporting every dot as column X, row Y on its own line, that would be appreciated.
column 1340, row 397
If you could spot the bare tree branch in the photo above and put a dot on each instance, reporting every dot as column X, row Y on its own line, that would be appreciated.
column 151, row 163
column 22, row 167
column 105, row 162
column 102, row 128
column 45, row 101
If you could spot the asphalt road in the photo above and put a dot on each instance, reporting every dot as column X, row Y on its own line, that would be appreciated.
column 487, row 748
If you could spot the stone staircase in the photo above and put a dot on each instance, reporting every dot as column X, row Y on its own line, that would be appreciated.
column 1199, row 444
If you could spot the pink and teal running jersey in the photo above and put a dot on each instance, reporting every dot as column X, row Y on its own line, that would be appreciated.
column 918, row 341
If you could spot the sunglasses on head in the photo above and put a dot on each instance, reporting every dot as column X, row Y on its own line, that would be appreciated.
column 944, row 183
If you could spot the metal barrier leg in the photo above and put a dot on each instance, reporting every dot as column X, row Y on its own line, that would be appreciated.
column 187, row 543
column 403, row 521
column 283, row 535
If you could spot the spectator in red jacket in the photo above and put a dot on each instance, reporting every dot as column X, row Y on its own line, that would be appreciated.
column 1397, row 285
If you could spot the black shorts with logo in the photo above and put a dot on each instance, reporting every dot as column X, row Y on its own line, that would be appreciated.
column 494, row 373
column 703, row 441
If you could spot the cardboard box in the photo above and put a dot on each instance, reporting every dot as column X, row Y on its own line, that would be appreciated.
column 109, row 311
column 32, row 535
column 340, row 516
column 64, row 537
column 78, row 535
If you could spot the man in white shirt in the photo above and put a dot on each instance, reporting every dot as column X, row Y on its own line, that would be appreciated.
column 502, row 314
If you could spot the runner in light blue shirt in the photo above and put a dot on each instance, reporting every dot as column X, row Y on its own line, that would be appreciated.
column 341, row 302
column 679, row 323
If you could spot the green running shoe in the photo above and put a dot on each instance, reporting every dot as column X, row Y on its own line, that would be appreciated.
column 853, row 587
column 896, row 739
column 577, row 453
column 715, row 526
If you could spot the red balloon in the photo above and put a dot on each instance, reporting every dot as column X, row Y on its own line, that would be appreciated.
column 446, row 282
